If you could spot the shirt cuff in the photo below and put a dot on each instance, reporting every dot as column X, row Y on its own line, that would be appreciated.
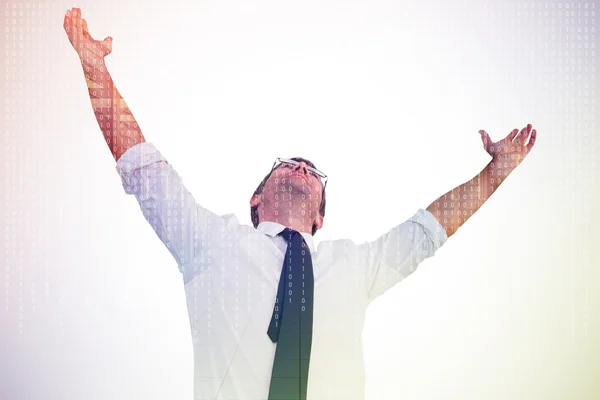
column 434, row 230
column 138, row 156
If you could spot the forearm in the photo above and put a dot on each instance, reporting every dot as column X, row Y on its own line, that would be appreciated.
column 455, row 207
column 116, row 121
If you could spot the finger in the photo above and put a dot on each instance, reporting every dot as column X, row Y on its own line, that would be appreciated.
column 68, row 22
column 523, row 135
column 67, row 19
column 527, row 134
column 485, row 138
column 78, row 24
column 75, row 22
column 76, row 16
column 531, row 140
column 73, row 14
column 107, row 43
column 512, row 134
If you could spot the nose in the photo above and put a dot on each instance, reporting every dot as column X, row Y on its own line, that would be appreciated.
column 301, row 168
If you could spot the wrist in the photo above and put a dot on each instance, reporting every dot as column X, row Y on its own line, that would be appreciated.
column 497, row 171
column 95, row 71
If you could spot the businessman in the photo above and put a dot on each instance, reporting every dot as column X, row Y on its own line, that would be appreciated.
column 271, row 316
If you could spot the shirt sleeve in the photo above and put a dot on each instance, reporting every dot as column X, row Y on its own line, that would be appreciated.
column 187, row 229
column 396, row 254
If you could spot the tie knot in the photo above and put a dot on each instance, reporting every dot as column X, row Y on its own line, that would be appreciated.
column 288, row 234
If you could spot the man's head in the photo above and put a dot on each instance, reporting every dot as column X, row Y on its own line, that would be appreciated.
column 290, row 192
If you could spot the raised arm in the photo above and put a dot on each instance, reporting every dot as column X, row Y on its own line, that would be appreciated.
column 116, row 121
column 455, row 207
column 191, row 233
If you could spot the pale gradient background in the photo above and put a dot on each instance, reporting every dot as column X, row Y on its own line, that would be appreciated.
column 386, row 97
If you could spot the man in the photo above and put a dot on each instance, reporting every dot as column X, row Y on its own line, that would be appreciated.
column 262, row 300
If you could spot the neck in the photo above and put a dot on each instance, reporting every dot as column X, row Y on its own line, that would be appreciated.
column 300, row 224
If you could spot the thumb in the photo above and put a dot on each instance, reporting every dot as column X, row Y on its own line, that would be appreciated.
column 107, row 43
column 485, row 138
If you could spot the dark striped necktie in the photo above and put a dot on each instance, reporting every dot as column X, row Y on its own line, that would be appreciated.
column 292, row 321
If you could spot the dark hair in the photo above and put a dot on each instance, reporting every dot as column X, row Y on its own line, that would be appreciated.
column 259, row 189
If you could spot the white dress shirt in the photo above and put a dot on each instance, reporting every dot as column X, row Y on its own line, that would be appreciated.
column 231, row 274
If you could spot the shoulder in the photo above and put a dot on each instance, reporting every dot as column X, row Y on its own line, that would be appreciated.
column 336, row 248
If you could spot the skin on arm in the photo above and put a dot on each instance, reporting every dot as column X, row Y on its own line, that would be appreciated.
column 116, row 121
column 455, row 207
column 182, row 225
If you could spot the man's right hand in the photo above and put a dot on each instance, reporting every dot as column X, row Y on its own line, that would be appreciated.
column 115, row 120
column 86, row 47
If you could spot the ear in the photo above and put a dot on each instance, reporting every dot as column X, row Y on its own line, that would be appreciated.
column 255, row 200
column 319, row 221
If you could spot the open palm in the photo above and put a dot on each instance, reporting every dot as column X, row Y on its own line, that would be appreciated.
column 512, row 149
column 87, row 47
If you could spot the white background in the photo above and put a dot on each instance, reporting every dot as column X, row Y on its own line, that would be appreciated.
column 386, row 97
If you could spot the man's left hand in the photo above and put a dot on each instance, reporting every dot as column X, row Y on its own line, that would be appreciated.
column 509, row 152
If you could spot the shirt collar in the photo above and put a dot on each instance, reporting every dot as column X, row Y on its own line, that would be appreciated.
column 273, row 229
